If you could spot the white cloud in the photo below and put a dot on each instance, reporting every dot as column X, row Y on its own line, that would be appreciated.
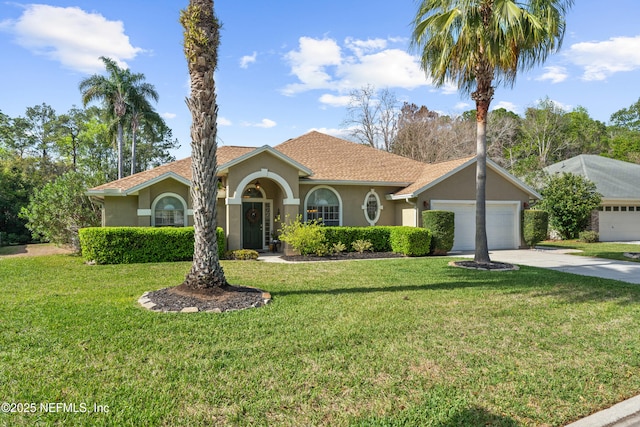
column 309, row 64
column 509, row 106
column 334, row 101
column 71, row 36
column 339, row 133
column 555, row 74
column 248, row 59
column 323, row 64
column 169, row 116
column 602, row 59
column 223, row 121
column 264, row 123
column 462, row 106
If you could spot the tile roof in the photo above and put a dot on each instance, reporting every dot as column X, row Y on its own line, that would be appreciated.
column 614, row 179
column 328, row 157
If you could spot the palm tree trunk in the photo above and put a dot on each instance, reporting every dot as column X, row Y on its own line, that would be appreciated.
column 120, row 149
column 133, row 151
column 482, row 246
column 482, row 96
column 202, row 55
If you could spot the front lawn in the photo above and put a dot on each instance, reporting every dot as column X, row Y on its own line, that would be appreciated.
column 601, row 249
column 399, row 342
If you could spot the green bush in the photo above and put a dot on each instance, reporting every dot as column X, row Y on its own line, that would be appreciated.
column 589, row 237
column 242, row 255
column 377, row 235
column 442, row 227
column 535, row 225
column 127, row 245
column 569, row 199
column 410, row 241
column 306, row 238
column 362, row 245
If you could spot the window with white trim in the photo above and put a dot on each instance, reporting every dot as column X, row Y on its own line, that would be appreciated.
column 169, row 212
column 372, row 207
column 323, row 204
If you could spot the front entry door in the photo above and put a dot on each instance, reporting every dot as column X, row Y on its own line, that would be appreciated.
column 252, row 225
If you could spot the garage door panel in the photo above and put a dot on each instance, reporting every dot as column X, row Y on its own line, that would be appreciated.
column 502, row 224
column 619, row 226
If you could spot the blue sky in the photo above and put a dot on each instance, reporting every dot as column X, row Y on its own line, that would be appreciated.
column 287, row 67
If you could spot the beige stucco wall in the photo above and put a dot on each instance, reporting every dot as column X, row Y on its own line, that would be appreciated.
column 461, row 186
column 353, row 197
column 121, row 211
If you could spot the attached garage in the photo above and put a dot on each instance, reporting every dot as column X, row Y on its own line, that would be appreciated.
column 503, row 223
column 619, row 223
column 617, row 182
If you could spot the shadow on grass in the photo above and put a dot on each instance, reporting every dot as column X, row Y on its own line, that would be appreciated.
column 568, row 288
column 442, row 407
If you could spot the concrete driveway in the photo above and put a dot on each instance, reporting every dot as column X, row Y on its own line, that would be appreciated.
column 562, row 260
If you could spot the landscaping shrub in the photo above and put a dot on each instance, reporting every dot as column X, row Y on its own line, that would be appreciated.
column 242, row 255
column 377, row 235
column 589, row 237
column 442, row 227
column 535, row 226
column 361, row 245
column 126, row 245
column 306, row 238
column 410, row 241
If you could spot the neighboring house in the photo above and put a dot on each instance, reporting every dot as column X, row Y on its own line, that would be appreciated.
column 320, row 177
column 618, row 218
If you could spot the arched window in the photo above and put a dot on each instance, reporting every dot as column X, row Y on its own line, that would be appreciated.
column 372, row 207
column 169, row 211
column 323, row 204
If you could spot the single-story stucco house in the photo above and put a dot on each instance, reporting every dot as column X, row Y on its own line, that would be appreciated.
column 320, row 177
column 618, row 218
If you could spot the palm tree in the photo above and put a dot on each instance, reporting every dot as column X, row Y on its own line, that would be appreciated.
column 475, row 43
column 201, row 40
column 120, row 90
column 141, row 115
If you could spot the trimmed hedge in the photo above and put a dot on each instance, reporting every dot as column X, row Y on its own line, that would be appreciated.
column 378, row 236
column 535, row 224
column 442, row 226
column 409, row 241
column 127, row 245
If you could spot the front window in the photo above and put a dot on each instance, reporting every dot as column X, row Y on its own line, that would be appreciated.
column 169, row 211
column 323, row 204
column 372, row 207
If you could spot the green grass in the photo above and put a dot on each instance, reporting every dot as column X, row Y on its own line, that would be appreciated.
column 398, row 342
column 601, row 249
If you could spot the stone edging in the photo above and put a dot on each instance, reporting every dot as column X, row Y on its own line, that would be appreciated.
column 145, row 302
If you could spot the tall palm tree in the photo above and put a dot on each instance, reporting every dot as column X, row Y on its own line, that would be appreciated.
column 141, row 115
column 476, row 43
column 201, row 40
column 119, row 90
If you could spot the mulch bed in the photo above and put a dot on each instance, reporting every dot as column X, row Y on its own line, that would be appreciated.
column 219, row 299
column 492, row 266
column 342, row 256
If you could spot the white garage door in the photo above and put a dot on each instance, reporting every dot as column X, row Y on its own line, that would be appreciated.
column 503, row 223
column 619, row 226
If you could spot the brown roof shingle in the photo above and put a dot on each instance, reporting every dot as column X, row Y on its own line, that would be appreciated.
column 330, row 159
column 335, row 159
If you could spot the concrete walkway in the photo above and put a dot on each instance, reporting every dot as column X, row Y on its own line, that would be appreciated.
column 561, row 260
